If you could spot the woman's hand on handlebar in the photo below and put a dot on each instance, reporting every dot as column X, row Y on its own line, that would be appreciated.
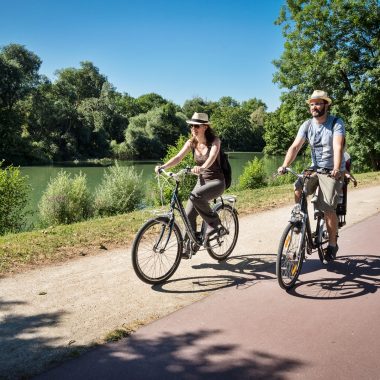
column 197, row 170
column 157, row 169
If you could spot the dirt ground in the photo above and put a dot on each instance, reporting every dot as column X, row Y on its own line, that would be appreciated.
column 55, row 312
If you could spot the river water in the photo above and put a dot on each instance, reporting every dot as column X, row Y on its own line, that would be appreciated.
column 39, row 176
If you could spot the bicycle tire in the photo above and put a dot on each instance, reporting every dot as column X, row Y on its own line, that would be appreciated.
column 322, row 238
column 221, row 247
column 151, row 265
column 290, row 256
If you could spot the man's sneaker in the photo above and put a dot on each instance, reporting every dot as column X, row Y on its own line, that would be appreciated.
column 330, row 253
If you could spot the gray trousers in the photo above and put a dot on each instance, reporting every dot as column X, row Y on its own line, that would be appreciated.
column 198, row 203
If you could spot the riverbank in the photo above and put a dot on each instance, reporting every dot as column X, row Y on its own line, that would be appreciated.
column 23, row 251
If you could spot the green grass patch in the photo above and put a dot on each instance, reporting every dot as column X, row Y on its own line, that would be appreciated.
column 31, row 249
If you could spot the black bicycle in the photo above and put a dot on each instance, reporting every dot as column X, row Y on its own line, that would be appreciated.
column 159, row 244
column 298, row 238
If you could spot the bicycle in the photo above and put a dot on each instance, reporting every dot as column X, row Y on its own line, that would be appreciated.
column 158, row 246
column 298, row 237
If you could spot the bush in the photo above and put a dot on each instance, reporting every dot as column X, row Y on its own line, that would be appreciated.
column 66, row 200
column 14, row 196
column 253, row 176
column 120, row 191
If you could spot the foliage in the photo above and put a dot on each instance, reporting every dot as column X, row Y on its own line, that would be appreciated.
column 187, row 184
column 14, row 195
column 334, row 46
column 232, row 124
column 18, row 77
column 253, row 176
column 148, row 135
column 197, row 104
column 120, row 191
column 66, row 200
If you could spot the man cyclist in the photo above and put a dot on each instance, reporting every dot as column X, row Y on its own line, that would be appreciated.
column 325, row 134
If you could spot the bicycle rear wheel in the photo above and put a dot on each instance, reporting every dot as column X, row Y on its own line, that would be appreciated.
column 290, row 255
column 220, row 247
column 156, row 250
column 322, row 238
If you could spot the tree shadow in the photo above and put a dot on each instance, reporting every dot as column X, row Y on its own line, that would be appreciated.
column 357, row 275
column 189, row 356
column 21, row 348
column 244, row 269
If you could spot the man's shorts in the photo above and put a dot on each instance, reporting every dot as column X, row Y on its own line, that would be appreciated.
column 329, row 189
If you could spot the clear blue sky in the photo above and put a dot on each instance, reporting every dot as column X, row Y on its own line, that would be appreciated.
column 176, row 48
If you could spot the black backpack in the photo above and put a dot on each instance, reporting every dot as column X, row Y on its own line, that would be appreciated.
column 226, row 168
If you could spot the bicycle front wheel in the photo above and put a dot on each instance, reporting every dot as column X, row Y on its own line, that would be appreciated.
column 156, row 250
column 291, row 252
column 220, row 247
column 322, row 238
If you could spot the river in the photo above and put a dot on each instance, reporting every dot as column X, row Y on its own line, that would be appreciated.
column 39, row 176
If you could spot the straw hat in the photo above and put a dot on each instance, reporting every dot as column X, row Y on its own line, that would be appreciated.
column 319, row 94
column 198, row 118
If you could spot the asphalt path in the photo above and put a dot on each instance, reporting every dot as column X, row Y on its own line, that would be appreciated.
column 327, row 327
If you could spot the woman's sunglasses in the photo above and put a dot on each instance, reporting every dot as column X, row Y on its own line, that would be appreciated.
column 195, row 126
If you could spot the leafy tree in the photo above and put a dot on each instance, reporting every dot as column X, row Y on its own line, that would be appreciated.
column 334, row 45
column 18, row 77
column 198, row 104
column 150, row 101
column 227, row 101
column 79, row 84
column 148, row 135
column 233, row 126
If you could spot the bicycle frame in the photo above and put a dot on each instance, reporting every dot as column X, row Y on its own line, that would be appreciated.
column 312, row 243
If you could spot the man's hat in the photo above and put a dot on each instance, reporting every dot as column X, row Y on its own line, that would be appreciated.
column 319, row 94
column 198, row 118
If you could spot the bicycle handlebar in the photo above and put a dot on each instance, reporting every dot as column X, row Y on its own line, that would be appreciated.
column 178, row 175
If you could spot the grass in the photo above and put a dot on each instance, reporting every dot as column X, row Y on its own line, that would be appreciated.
column 19, row 252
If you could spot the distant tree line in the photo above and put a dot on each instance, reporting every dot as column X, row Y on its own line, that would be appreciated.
column 330, row 45
column 81, row 116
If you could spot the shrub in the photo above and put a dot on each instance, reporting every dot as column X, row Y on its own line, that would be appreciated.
column 120, row 191
column 14, row 196
column 253, row 176
column 66, row 200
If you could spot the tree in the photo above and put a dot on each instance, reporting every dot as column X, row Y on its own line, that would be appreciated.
column 233, row 126
column 198, row 104
column 18, row 77
column 334, row 46
column 148, row 135
column 150, row 101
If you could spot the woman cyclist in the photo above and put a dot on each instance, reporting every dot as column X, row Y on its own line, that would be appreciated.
column 205, row 146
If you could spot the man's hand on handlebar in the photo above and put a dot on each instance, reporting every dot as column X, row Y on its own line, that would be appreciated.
column 281, row 170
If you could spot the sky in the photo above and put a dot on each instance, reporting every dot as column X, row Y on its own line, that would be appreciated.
column 178, row 49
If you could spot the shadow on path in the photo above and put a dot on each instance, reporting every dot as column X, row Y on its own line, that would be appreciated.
column 243, row 269
column 351, row 276
column 23, row 350
column 184, row 356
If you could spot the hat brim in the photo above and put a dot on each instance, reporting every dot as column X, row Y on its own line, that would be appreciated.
column 197, row 122
column 328, row 100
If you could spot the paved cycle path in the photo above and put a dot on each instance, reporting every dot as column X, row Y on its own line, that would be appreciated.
column 327, row 327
